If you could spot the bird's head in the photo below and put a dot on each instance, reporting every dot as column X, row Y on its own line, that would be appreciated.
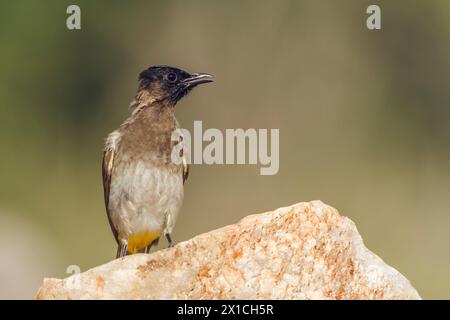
column 167, row 84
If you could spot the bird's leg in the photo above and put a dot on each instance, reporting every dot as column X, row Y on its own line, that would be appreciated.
column 154, row 243
column 169, row 239
column 122, row 249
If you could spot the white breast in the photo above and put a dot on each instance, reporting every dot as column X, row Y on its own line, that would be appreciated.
column 144, row 198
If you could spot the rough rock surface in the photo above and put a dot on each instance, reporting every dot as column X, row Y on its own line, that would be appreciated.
column 305, row 251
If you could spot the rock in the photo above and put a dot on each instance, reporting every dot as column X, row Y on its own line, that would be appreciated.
column 305, row 251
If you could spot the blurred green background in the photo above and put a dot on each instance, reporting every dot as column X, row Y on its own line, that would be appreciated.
column 363, row 117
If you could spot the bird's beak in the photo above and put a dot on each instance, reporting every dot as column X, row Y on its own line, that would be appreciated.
column 197, row 78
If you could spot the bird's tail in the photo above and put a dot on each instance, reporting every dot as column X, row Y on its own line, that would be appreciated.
column 121, row 250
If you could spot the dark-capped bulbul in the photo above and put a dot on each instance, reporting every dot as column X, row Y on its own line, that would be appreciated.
column 143, row 187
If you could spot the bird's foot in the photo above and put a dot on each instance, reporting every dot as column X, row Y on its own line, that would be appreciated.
column 169, row 239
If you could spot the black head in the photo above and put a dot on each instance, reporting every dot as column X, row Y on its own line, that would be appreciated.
column 164, row 83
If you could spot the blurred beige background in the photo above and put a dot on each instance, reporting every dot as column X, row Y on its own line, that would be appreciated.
column 363, row 118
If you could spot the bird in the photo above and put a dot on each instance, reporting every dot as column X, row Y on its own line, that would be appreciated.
column 143, row 187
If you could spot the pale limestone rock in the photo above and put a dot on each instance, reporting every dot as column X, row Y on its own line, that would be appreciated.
column 305, row 251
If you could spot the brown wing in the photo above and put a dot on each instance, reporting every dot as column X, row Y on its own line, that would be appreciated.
column 185, row 170
column 107, row 166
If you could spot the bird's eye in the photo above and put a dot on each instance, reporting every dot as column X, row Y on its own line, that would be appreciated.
column 172, row 77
